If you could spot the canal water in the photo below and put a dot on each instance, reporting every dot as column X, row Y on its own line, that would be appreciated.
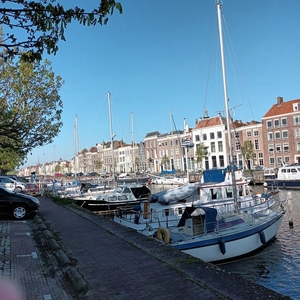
column 276, row 267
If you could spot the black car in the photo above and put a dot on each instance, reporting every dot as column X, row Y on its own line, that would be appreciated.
column 17, row 205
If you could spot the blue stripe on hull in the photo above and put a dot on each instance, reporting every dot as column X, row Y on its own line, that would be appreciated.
column 227, row 238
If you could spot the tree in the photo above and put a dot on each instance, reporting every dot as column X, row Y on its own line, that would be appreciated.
column 98, row 165
column 41, row 24
column 8, row 160
column 165, row 161
column 248, row 152
column 201, row 152
column 30, row 107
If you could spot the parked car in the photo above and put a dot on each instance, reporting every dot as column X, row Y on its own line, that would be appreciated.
column 16, row 205
column 11, row 184
column 93, row 174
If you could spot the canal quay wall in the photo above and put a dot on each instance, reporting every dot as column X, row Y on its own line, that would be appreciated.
column 93, row 257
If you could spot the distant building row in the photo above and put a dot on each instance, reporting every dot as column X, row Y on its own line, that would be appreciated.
column 273, row 140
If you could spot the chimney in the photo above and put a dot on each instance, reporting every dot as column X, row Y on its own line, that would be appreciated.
column 279, row 101
column 196, row 121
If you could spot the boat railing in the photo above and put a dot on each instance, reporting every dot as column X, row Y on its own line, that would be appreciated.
column 137, row 215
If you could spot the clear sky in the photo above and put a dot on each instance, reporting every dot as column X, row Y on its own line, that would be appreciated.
column 162, row 56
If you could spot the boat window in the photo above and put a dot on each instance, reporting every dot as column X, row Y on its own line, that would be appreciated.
column 229, row 192
column 123, row 197
column 216, row 193
column 180, row 210
column 283, row 170
column 127, row 190
column 293, row 170
column 112, row 198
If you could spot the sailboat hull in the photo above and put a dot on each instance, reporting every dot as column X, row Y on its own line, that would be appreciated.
column 223, row 246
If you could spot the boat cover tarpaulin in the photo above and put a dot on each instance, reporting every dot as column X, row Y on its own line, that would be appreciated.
column 166, row 172
column 175, row 194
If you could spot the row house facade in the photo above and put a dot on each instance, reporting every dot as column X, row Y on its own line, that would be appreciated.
column 166, row 151
column 274, row 140
column 281, row 127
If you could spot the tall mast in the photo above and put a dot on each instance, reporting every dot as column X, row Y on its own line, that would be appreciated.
column 226, row 99
column 132, row 147
column 111, row 135
column 76, row 145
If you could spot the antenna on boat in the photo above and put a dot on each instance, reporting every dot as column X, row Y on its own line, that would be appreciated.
column 226, row 100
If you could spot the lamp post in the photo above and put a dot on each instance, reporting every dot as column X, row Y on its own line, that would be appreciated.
column 187, row 144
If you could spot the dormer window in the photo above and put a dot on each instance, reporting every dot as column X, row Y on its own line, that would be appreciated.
column 296, row 106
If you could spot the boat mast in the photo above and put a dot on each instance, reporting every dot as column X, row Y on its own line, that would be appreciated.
column 76, row 145
column 226, row 100
column 111, row 135
column 132, row 134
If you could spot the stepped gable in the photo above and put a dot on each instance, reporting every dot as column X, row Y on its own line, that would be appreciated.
column 281, row 108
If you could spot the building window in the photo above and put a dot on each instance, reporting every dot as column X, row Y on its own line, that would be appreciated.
column 272, row 161
column 237, row 146
column 197, row 138
column 279, row 160
column 260, row 155
column 248, row 133
column 271, row 148
column 298, row 146
column 277, row 135
column 286, row 147
column 287, row 159
column 212, row 147
column 296, row 120
column 212, row 135
column 269, row 124
column 204, row 137
column 283, row 122
column 297, row 133
column 221, row 160
column 270, row 136
column 285, row 135
column 220, row 146
column 255, row 133
column 219, row 134
column 276, row 123
column 237, row 135
column 214, row 161
column 256, row 144
column 278, row 148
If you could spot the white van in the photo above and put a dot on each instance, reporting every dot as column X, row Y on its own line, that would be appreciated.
column 11, row 184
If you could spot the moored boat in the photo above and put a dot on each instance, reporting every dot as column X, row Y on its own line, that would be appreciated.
column 283, row 177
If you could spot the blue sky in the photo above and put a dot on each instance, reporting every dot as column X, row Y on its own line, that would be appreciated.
column 162, row 56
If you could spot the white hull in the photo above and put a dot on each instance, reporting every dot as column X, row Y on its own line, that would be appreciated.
column 242, row 246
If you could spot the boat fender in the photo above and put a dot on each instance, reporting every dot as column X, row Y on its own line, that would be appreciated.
column 163, row 234
column 222, row 246
column 136, row 218
column 262, row 237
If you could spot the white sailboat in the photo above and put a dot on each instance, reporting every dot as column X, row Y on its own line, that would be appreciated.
column 205, row 233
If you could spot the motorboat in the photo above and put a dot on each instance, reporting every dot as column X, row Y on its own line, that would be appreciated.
column 283, row 177
column 127, row 194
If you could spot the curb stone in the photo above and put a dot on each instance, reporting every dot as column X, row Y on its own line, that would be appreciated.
column 71, row 274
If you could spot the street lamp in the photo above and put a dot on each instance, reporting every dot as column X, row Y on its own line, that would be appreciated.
column 187, row 144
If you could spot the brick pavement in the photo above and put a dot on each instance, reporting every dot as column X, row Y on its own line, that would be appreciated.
column 113, row 261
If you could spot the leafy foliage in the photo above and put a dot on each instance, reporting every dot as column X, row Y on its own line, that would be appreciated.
column 43, row 24
column 201, row 153
column 30, row 107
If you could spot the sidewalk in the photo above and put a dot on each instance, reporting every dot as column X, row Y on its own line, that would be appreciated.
column 79, row 255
